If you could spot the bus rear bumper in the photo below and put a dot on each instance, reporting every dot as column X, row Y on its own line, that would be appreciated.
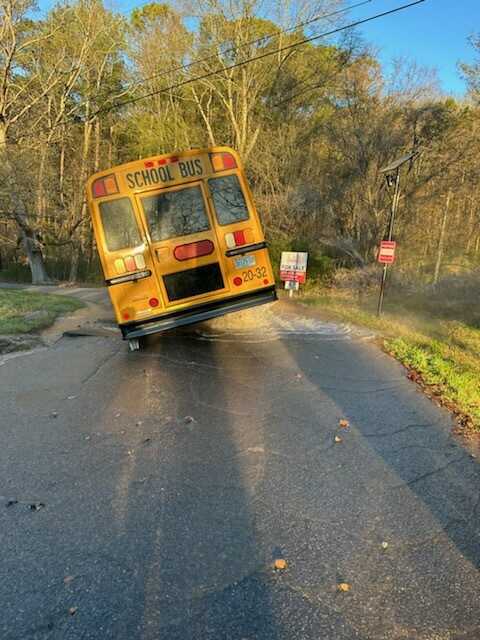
column 199, row 313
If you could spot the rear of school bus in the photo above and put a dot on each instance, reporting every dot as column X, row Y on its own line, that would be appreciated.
column 179, row 240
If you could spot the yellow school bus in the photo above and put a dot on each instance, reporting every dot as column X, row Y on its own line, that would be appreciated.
column 179, row 239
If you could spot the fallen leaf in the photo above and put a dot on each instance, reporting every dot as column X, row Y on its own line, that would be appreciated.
column 36, row 506
column 71, row 397
column 188, row 419
column 343, row 587
column 72, row 611
column 68, row 579
column 280, row 564
column 384, row 545
column 338, row 439
column 54, row 414
column 10, row 503
column 344, row 424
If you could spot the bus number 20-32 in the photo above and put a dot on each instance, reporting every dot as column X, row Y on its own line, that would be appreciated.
column 252, row 274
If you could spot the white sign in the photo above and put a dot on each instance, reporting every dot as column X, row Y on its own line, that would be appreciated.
column 292, row 285
column 293, row 266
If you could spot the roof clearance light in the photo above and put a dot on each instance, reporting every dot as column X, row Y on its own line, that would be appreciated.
column 105, row 186
column 223, row 161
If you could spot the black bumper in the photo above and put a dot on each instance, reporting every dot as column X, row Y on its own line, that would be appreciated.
column 198, row 313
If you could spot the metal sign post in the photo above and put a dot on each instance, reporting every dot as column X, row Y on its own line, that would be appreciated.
column 392, row 173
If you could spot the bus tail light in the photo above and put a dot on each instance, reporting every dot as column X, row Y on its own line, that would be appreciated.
column 193, row 250
column 236, row 239
column 129, row 263
column 237, row 281
column 153, row 302
column 223, row 161
column 105, row 186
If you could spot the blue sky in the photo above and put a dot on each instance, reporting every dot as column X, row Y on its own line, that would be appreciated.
column 434, row 33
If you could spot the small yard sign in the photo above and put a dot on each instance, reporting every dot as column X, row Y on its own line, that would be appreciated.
column 386, row 255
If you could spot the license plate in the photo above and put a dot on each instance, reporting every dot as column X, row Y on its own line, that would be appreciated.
column 245, row 261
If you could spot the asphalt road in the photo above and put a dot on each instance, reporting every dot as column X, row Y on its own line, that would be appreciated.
column 167, row 482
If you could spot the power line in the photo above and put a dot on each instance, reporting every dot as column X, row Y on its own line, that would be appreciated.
column 299, row 25
column 262, row 56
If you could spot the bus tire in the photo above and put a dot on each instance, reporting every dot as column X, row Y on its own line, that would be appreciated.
column 134, row 344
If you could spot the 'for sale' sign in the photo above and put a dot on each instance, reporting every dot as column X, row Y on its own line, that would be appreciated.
column 386, row 255
column 293, row 266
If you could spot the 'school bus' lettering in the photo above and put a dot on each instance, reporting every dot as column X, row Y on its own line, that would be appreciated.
column 162, row 174
column 154, row 220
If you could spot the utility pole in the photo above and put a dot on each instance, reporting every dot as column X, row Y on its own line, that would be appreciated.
column 392, row 175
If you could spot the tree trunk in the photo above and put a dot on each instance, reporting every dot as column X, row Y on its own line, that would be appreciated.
column 34, row 254
column 30, row 241
column 441, row 239
column 74, row 263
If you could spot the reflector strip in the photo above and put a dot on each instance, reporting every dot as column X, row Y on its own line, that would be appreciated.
column 129, row 277
column 193, row 250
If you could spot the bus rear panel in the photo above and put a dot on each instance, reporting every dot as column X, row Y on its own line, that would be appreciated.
column 179, row 239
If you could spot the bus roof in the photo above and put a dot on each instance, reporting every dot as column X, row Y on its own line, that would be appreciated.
column 120, row 168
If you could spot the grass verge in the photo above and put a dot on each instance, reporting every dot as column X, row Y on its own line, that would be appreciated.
column 23, row 311
column 442, row 355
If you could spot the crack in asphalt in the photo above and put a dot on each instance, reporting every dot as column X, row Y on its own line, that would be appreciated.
column 101, row 364
column 428, row 474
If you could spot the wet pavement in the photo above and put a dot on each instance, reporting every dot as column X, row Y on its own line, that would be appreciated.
column 165, row 484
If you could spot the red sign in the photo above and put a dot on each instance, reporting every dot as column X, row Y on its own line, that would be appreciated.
column 386, row 255
column 293, row 276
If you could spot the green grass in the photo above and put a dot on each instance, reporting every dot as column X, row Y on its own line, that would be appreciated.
column 15, row 305
column 445, row 352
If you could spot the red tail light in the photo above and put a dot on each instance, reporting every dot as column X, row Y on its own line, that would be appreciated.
column 130, row 263
column 193, row 250
column 239, row 237
column 153, row 302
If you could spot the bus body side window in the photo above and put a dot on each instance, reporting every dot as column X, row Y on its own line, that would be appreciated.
column 119, row 225
column 228, row 199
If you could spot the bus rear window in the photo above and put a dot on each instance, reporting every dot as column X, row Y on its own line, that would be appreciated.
column 228, row 198
column 119, row 224
column 175, row 213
